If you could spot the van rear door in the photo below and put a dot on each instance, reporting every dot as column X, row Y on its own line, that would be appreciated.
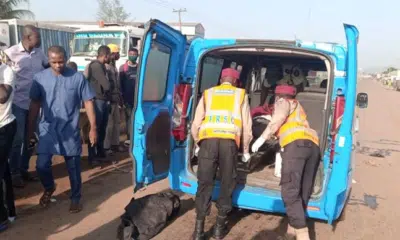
column 341, row 176
column 163, row 53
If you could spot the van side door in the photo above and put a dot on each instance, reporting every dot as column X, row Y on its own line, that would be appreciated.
column 162, row 57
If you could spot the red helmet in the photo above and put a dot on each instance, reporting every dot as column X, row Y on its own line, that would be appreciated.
column 285, row 90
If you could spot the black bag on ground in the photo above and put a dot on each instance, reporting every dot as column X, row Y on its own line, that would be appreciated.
column 145, row 217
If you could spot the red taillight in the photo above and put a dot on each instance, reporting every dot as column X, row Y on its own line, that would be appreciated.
column 182, row 96
column 186, row 184
column 337, row 120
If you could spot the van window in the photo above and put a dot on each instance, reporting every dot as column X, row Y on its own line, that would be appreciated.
column 156, row 75
column 211, row 71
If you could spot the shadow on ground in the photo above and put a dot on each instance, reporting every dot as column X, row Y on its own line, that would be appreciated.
column 56, row 218
column 273, row 234
column 59, row 171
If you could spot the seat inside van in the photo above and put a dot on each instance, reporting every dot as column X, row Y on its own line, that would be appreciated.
column 259, row 74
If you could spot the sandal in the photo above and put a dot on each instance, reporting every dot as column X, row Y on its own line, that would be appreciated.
column 46, row 198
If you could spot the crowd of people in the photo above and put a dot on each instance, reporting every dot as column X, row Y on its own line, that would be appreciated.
column 41, row 98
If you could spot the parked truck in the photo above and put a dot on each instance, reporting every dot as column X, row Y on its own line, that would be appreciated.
column 89, row 38
column 51, row 34
column 90, row 35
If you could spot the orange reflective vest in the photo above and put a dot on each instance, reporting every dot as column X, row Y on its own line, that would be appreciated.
column 296, row 127
column 223, row 118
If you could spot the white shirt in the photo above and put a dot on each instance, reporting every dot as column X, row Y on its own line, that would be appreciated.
column 6, row 77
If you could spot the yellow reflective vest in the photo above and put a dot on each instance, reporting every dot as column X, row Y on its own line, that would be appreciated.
column 223, row 118
column 296, row 127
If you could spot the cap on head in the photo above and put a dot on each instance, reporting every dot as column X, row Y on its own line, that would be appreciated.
column 113, row 47
column 230, row 72
column 285, row 90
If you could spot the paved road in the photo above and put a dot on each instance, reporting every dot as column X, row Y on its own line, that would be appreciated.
column 107, row 191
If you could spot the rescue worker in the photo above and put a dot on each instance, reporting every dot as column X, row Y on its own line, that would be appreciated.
column 300, row 157
column 222, row 118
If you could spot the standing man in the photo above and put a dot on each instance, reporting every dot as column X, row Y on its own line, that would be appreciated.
column 59, row 91
column 127, row 76
column 28, row 59
column 222, row 117
column 111, row 142
column 96, row 73
column 300, row 157
column 8, row 127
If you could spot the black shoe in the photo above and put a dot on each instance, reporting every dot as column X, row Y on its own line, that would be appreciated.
column 3, row 225
column 220, row 228
column 198, row 233
column 75, row 207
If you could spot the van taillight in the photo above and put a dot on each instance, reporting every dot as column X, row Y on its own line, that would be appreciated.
column 181, row 101
column 338, row 109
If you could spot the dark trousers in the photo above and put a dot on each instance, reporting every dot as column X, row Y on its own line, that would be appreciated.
column 102, row 112
column 20, row 155
column 7, row 133
column 216, row 153
column 300, row 160
column 128, row 123
column 43, row 167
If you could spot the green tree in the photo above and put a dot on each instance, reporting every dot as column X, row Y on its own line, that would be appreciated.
column 111, row 11
column 390, row 69
column 10, row 9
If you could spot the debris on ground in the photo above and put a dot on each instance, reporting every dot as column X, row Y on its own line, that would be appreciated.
column 377, row 154
column 370, row 201
column 353, row 181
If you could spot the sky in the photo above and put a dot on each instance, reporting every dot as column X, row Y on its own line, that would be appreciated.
column 317, row 20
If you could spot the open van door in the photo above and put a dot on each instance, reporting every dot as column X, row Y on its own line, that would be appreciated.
column 162, row 56
column 341, row 176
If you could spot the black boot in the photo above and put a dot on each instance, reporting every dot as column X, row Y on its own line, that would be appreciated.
column 199, row 230
column 220, row 229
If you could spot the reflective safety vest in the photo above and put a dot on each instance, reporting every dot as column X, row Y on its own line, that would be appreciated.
column 296, row 127
column 223, row 118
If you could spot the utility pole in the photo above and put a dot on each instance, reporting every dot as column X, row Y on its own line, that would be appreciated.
column 179, row 11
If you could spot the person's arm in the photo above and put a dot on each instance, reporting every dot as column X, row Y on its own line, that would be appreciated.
column 86, row 94
column 198, row 119
column 36, row 98
column 281, row 112
column 5, row 92
column 6, row 84
column 247, row 125
column 122, row 79
column 90, row 112
column 99, row 73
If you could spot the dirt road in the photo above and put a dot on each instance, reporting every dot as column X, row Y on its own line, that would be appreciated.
column 106, row 191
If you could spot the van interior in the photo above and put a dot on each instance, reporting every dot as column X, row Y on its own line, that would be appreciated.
column 260, row 71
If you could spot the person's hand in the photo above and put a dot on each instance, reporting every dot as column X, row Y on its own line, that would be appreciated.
column 257, row 144
column 246, row 157
column 93, row 136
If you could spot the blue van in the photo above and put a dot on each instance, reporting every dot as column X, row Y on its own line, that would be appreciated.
column 174, row 72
